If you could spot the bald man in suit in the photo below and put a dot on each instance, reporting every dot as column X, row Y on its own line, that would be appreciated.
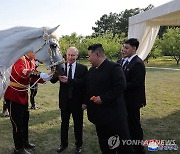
column 70, row 99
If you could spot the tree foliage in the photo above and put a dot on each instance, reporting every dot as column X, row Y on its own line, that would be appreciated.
column 116, row 23
column 111, row 43
column 170, row 44
column 155, row 51
column 67, row 41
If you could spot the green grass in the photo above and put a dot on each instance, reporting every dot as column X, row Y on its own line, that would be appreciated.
column 165, row 61
column 160, row 118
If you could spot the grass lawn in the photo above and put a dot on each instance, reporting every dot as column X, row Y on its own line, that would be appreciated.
column 165, row 61
column 160, row 118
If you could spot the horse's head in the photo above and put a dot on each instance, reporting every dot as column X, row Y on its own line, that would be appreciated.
column 50, row 54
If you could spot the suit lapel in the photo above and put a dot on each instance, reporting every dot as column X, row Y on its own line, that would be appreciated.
column 132, row 61
column 66, row 69
column 130, row 65
column 76, row 70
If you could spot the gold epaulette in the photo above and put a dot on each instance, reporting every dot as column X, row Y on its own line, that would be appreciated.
column 17, row 85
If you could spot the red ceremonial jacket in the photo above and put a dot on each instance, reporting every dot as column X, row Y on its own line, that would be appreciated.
column 19, row 81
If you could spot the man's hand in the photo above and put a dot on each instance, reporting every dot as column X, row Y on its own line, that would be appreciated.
column 63, row 79
column 96, row 99
column 84, row 106
column 25, row 71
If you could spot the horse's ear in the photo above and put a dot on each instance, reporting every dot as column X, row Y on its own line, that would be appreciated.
column 50, row 31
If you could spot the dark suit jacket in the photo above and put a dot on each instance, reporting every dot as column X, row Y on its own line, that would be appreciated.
column 108, row 82
column 77, row 89
column 135, row 80
column 120, row 61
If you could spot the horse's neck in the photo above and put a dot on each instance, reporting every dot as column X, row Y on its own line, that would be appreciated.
column 15, row 47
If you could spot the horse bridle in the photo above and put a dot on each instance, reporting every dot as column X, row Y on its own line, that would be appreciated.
column 46, row 38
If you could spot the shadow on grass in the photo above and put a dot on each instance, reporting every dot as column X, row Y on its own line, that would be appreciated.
column 165, row 128
column 45, row 133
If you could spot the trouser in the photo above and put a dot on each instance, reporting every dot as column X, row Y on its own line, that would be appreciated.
column 19, row 116
column 135, row 129
column 33, row 93
column 78, row 125
column 112, row 138
column 5, row 107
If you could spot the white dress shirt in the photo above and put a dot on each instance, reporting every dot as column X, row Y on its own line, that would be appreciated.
column 73, row 69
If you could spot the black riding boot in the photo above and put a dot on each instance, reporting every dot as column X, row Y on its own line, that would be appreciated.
column 32, row 102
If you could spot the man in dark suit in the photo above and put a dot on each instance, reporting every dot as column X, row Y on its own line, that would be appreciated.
column 123, row 59
column 135, row 91
column 71, row 98
column 105, row 83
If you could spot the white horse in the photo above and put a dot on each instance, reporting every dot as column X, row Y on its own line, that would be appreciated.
column 17, row 41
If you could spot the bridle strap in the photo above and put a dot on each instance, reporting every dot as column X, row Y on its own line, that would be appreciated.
column 46, row 38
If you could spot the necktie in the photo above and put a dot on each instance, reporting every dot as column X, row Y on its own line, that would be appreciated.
column 70, row 72
column 122, row 61
column 125, row 65
column 70, row 89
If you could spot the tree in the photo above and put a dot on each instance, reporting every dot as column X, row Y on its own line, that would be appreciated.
column 67, row 41
column 155, row 51
column 116, row 23
column 106, row 24
column 163, row 30
column 170, row 44
column 111, row 43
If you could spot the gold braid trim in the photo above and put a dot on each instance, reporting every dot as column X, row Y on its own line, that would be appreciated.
column 17, row 85
column 24, row 62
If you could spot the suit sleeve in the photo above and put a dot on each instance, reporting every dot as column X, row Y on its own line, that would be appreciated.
column 79, row 82
column 118, row 85
column 54, row 78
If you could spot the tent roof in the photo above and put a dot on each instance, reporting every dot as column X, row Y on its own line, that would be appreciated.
column 166, row 14
column 145, row 26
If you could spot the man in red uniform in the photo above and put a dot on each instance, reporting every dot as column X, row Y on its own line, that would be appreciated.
column 16, row 97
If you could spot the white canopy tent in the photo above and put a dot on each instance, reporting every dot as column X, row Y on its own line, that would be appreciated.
column 145, row 26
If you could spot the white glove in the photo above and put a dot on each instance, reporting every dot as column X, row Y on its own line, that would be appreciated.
column 37, row 63
column 45, row 76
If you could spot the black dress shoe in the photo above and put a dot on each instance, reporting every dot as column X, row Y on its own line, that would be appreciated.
column 34, row 107
column 29, row 145
column 78, row 150
column 61, row 148
column 21, row 151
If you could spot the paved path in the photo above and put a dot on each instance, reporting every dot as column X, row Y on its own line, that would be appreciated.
column 161, row 68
